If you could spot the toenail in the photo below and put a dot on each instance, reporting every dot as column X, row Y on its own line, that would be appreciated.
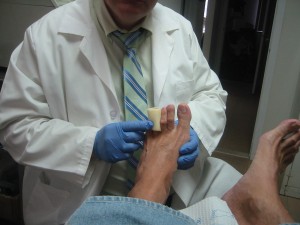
column 183, row 110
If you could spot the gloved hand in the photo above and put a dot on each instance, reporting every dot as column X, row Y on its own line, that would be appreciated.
column 189, row 152
column 117, row 141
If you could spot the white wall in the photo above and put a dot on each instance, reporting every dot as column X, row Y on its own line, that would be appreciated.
column 176, row 5
column 280, row 95
column 194, row 12
column 29, row 2
column 215, row 32
column 15, row 17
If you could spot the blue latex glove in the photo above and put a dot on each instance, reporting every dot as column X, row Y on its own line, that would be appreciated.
column 189, row 152
column 117, row 141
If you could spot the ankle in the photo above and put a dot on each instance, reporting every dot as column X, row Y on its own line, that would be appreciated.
column 152, row 188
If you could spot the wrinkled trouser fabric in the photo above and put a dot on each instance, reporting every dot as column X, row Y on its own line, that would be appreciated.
column 107, row 210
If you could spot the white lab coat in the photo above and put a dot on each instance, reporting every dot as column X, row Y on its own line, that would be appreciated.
column 58, row 93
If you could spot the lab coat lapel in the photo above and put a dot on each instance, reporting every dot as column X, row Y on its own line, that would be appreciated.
column 78, row 23
column 97, row 58
column 162, row 45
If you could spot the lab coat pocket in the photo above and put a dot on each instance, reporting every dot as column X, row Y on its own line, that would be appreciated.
column 50, row 200
column 184, row 91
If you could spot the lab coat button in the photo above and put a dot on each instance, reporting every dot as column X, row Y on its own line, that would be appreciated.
column 113, row 114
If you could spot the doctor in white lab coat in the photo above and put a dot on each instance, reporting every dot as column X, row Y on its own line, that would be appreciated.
column 59, row 91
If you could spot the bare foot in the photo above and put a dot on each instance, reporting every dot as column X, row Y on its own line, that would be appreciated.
column 158, row 161
column 255, row 199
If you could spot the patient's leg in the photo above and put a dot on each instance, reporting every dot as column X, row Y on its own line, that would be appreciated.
column 158, row 161
column 255, row 199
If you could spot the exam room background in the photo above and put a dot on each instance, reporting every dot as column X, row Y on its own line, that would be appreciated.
column 252, row 108
column 263, row 85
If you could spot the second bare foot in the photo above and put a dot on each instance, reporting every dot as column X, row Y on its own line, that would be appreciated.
column 255, row 199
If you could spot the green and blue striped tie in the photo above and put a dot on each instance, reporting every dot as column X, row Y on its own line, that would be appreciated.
column 135, row 107
column 135, row 97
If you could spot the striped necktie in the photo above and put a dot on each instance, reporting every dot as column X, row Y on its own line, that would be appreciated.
column 135, row 98
column 122, row 176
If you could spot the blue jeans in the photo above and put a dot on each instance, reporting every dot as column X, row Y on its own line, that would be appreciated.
column 110, row 210
column 123, row 210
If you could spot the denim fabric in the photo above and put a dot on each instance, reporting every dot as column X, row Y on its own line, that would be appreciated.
column 108, row 210
column 123, row 210
column 290, row 224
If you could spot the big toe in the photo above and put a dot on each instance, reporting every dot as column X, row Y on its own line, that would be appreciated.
column 184, row 115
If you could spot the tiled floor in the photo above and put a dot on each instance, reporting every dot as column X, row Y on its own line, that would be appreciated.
column 241, row 164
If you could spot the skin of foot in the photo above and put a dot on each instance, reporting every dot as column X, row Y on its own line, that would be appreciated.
column 158, row 161
column 255, row 198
